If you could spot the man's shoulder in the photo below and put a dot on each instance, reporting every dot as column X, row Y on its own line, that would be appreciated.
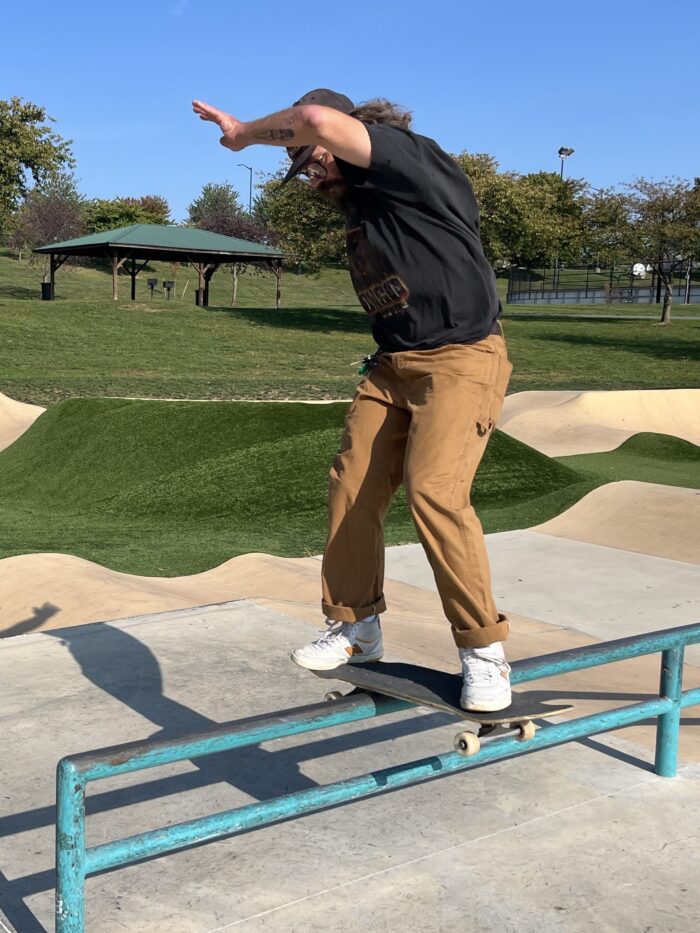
column 399, row 134
column 390, row 140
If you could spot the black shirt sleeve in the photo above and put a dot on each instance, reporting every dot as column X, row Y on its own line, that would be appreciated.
column 397, row 165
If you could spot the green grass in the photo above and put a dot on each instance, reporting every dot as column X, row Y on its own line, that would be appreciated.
column 174, row 488
column 165, row 488
column 648, row 458
column 93, row 346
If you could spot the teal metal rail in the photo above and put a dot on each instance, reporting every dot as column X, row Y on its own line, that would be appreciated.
column 74, row 861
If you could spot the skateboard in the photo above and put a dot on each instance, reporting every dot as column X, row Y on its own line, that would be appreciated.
column 439, row 690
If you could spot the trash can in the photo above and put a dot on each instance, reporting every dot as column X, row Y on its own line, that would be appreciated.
column 199, row 297
column 46, row 291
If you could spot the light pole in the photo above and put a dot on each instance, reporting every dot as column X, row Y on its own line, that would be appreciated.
column 250, row 190
column 564, row 153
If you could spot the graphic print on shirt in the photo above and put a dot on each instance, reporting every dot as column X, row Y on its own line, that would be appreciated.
column 380, row 290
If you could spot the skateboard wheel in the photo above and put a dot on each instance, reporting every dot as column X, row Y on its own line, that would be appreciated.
column 526, row 731
column 467, row 744
column 333, row 695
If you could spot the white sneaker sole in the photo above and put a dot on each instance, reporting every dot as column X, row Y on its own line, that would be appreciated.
column 313, row 664
column 487, row 706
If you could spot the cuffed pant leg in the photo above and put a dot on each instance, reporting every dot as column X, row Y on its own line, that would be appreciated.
column 453, row 413
column 364, row 476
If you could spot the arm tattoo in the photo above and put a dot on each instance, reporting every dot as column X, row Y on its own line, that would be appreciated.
column 275, row 134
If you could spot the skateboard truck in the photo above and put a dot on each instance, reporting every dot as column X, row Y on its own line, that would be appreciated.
column 468, row 743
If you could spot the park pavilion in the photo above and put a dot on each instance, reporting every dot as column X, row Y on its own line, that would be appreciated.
column 131, row 248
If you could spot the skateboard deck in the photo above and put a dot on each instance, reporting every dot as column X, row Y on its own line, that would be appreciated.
column 439, row 690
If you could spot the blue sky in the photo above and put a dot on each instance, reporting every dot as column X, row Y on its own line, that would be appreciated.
column 617, row 81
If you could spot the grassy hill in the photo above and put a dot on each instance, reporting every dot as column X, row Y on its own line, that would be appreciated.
column 178, row 487
column 86, row 344
column 649, row 458
column 164, row 488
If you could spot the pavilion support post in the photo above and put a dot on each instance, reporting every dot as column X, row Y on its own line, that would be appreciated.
column 117, row 263
column 199, row 292
column 278, row 293
column 133, row 272
column 52, row 278
column 55, row 262
column 208, row 273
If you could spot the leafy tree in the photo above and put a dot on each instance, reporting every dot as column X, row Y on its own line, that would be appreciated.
column 218, row 209
column 51, row 212
column 498, row 197
column 308, row 226
column 104, row 214
column 552, row 219
column 664, row 227
column 27, row 148
column 605, row 228
column 525, row 219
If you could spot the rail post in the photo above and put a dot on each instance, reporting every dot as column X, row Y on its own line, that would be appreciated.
column 70, row 848
column 669, row 724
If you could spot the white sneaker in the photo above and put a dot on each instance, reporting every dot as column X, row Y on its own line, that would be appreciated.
column 486, row 682
column 343, row 643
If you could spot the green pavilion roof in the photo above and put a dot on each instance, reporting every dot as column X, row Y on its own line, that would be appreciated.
column 159, row 239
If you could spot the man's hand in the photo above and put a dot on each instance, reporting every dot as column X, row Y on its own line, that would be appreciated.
column 227, row 123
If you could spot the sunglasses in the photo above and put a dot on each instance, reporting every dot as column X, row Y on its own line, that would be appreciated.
column 314, row 169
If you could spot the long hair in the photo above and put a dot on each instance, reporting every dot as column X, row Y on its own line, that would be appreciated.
column 381, row 110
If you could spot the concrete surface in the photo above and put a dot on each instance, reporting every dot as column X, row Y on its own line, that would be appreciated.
column 578, row 838
column 563, row 423
column 649, row 518
column 599, row 591
column 45, row 591
column 15, row 418
column 575, row 838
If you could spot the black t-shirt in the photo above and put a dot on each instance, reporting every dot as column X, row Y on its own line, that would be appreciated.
column 416, row 259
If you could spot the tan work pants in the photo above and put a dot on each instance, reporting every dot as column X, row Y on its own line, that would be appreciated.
column 422, row 418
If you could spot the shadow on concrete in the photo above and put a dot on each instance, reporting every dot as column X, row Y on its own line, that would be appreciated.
column 133, row 677
column 616, row 753
column 41, row 614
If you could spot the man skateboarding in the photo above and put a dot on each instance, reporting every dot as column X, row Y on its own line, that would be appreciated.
column 430, row 394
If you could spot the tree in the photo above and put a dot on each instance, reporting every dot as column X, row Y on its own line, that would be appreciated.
column 27, row 148
column 51, row 212
column 664, row 227
column 552, row 213
column 498, row 197
column 218, row 209
column 606, row 228
column 308, row 226
column 530, row 219
column 105, row 214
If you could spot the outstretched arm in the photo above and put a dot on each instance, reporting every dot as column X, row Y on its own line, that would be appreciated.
column 305, row 125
